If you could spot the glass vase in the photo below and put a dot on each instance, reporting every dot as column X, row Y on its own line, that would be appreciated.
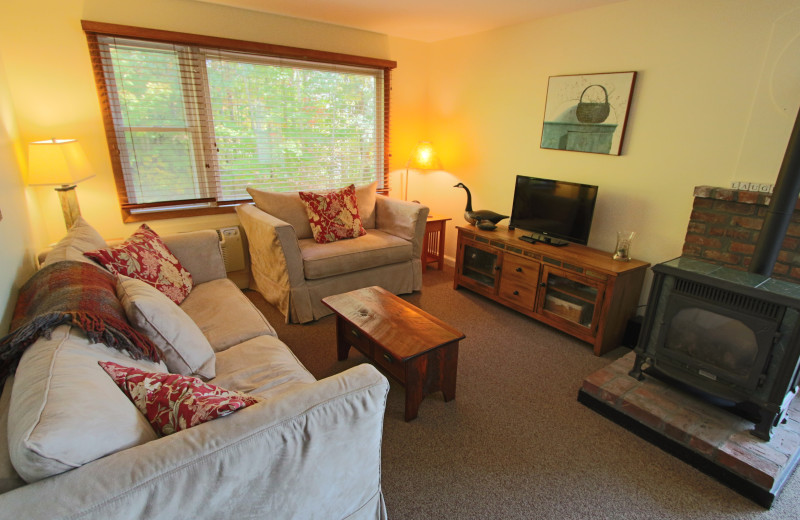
column 623, row 249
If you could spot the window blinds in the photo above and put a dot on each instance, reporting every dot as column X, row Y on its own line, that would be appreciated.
column 192, row 121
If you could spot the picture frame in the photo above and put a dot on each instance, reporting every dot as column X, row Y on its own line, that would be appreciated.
column 587, row 112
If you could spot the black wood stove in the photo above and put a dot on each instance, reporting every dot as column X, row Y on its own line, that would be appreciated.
column 734, row 335
column 731, row 334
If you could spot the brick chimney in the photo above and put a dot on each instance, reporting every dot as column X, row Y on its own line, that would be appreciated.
column 724, row 227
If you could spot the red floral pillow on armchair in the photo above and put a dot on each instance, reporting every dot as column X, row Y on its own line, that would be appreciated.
column 333, row 215
column 145, row 257
column 173, row 402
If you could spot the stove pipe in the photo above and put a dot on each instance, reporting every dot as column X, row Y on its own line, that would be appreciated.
column 781, row 208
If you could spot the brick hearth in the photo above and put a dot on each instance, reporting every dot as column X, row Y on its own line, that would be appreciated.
column 724, row 228
column 708, row 437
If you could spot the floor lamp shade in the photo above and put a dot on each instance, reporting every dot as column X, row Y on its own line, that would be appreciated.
column 423, row 157
column 62, row 163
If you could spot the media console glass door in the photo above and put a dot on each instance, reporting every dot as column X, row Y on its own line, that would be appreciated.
column 481, row 266
column 569, row 297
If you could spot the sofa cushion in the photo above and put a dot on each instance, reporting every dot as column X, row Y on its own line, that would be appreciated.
column 285, row 206
column 367, row 196
column 173, row 402
column 289, row 208
column 334, row 215
column 374, row 249
column 80, row 238
column 180, row 341
column 9, row 478
column 262, row 366
column 65, row 411
column 224, row 314
column 145, row 257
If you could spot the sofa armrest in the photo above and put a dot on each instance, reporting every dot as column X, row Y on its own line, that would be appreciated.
column 275, row 260
column 403, row 219
column 281, row 458
column 199, row 252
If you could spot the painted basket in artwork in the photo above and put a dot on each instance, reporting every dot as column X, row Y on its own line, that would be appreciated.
column 592, row 111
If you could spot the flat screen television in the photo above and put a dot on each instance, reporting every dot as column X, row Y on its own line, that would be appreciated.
column 555, row 212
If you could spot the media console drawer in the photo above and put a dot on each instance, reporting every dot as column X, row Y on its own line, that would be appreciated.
column 518, row 281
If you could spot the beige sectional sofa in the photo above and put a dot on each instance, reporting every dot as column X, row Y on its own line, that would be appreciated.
column 73, row 446
column 294, row 273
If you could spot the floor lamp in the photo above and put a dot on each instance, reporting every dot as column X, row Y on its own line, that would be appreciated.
column 62, row 163
column 423, row 157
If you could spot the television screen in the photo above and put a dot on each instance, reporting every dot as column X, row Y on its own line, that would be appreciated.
column 552, row 209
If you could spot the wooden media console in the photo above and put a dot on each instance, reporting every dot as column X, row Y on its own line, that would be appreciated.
column 577, row 289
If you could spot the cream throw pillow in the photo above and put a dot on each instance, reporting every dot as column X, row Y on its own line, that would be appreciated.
column 182, row 345
column 289, row 208
column 80, row 238
column 65, row 411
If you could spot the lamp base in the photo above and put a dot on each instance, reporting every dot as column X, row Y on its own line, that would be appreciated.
column 69, row 204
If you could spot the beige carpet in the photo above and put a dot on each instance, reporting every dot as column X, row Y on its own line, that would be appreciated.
column 515, row 443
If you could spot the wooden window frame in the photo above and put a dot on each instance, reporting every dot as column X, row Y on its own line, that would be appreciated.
column 210, row 206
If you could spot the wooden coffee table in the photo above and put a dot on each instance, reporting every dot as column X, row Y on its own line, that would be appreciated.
column 417, row 349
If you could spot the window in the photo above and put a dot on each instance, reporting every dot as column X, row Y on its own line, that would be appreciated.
column 192, row 120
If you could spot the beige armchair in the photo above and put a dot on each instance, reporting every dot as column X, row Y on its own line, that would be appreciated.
column 294, row 273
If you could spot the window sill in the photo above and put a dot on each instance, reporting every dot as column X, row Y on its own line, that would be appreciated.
column 143, row 216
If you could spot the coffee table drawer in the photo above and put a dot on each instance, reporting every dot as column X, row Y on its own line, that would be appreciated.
column 388, row 362
column 352, row 335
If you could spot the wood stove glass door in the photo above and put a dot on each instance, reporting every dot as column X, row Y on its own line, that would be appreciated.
column 716, row 342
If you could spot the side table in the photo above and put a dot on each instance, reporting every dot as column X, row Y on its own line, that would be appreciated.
column 433, row 243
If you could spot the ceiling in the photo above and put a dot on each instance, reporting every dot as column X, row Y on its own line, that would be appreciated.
column 423, row 20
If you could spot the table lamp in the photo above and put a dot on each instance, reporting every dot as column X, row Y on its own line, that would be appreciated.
column 62, row 163
column 423, row 157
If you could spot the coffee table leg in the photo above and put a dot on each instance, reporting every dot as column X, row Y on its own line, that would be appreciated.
column 449, row 371
column 413, row 399
column 342, row 347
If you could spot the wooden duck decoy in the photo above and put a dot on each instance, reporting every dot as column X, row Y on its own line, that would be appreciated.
column 483, row 218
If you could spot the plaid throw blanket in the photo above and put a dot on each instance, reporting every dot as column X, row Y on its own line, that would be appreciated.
column 74, row 293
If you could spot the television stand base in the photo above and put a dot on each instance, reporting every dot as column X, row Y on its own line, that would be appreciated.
column 545, row 240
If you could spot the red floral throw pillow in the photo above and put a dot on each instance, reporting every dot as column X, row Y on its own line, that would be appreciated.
column 333, row 215
column 145, row 257
column 172, row 402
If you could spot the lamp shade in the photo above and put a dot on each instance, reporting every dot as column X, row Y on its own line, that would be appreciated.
column 424, row 157
column 57, row 161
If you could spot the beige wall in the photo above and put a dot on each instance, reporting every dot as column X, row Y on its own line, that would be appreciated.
column 714, row 102
column 16, row 258
column 716, row 95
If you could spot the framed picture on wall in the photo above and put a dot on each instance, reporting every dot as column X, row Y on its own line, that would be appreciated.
column 587, row 112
